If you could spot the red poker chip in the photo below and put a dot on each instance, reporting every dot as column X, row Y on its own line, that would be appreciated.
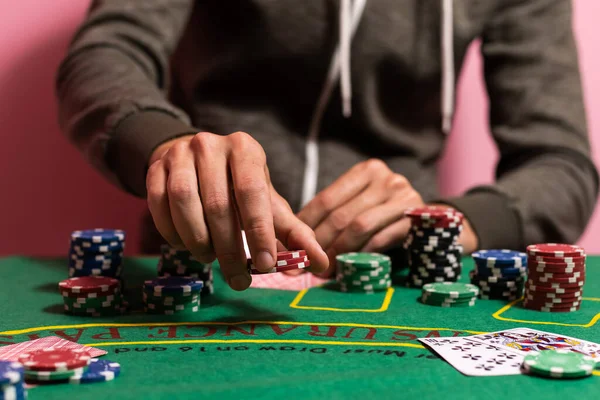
column 114, row 292
column 552, row 300
column 433, row 213
column 560, row 285
column 557, row 250
column 55, row 359
column 437, row 224
column 88, row 284
column 284, row 263
column 544, row 279
column 554, row 309
column 275, row 270
column 551, row 295
column 555, row 264
column 546, row 303
column 551, row 268
column 559, row 260
column 537, row 275
column 286, row 255
column 537, row 288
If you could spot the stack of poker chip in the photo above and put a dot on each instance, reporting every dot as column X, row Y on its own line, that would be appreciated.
column 54, row 365
column 92, row 296
column 499, row 274
column 556, row 277
column 434, row 254
column 449, row 294
column 172, row 295
column 12, row 379
column 182, row 263
column 559, row 363
column 286, row 261
column 96, row 252
column 363, row 272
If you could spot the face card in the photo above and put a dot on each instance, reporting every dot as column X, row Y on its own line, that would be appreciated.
column 474, row 358
column 525, row 341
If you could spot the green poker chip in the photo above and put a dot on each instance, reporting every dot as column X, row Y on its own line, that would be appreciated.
column 53, row 375
column 364, row 260
column 451, row 289
column 449, row 304
column 429, row 299
column 559, row 364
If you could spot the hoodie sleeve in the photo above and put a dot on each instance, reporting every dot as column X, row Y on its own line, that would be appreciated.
column 112, row 86
column 546, row 183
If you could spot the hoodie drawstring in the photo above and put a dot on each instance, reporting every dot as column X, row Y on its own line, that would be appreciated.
column 350, row 14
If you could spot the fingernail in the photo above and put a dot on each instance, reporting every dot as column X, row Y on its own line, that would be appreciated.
column 240, row 282
column 264, row 261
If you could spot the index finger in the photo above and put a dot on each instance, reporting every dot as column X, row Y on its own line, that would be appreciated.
column 296, row 235
column 253, row 200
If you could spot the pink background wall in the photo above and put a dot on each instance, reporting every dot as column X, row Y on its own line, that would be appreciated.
column 48, row 191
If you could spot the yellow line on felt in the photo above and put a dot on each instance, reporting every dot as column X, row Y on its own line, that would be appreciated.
column 384, row 306
column 259, row 341
column 501, row 311
column 166, row 323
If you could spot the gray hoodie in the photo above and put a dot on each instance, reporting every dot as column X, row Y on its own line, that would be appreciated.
column 325, row 84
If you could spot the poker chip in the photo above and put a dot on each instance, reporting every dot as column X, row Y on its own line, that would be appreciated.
column 173, row 285
column 298, row 265
column 434, row 253
column 555, row 282
column 452, row 289
column 62, row 359
column 286, row 261
column 96, row 252
column 557, row 250
column 13, row 392
column 11, row 372
column 499, row 273
column 500, row 257
column 363, row 272
column 97, row 371
column 364, row 260
column 449, row 294
column 286, row 255
column 89, row 284
column 559, row 364
column 44, row 376
column 98, row 236
column 170, row 295
column 181, row 263
column 556, row 260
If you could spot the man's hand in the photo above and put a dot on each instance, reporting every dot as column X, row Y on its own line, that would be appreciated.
column 362, row 210
column 203, row 189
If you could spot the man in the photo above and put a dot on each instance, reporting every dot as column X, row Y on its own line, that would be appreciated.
column 318, row 123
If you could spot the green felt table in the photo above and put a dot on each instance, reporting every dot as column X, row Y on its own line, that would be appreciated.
column 267, row 344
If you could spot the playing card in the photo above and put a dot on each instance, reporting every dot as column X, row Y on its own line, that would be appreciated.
column 13, row 351
column 526, row 340
column 474, row 358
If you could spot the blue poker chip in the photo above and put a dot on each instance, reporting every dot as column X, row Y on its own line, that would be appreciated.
column 83, row 249
column 11, row 372
column 501, row 257
column 504, row 275
column 13, row 392
column 173, row 285
column 95, row 264
column 98, row 236
column 98, row 371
